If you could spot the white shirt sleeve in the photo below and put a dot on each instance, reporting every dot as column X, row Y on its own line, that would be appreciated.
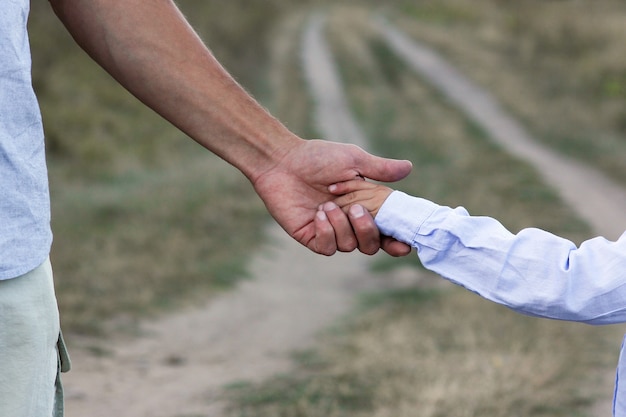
column 533, row 272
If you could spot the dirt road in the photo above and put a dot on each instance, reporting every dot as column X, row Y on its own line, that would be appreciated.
column 181, row 362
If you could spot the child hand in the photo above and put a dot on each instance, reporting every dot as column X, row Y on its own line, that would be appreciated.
column 369, row 195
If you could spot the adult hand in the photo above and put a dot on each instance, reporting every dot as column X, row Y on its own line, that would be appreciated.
column 295, row 192
column 365, row 230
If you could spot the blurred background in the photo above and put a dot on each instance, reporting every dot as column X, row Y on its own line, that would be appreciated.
column 139, row 228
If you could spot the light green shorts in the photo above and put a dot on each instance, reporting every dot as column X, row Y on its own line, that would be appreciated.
column 31, row 348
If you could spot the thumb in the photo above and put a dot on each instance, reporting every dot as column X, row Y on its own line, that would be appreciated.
column 384, row 169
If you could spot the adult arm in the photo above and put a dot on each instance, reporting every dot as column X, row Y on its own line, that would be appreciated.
column 533, row 272
column 149, row 48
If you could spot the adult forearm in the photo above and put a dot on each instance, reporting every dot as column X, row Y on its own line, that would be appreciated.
column 148, row 46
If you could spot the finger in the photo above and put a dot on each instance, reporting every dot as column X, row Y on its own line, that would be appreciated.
column 350, row 186
column 345, row 201
column 324, row 242
column 394, row 247
column 344, row 235
column 365, row 229
column 383, row 169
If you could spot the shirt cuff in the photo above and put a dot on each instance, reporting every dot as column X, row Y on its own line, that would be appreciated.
column 402, row 215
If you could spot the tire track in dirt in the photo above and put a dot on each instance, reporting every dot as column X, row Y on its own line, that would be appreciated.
column 597, row 199
column 180, row 363
column 332, row 112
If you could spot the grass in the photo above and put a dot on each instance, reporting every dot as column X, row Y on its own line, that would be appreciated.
column 420, row 353
column 153, row 240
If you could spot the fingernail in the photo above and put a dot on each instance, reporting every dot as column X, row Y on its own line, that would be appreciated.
column 329, row 205
column 332, row 188
column 321, row 216
column 357, row 211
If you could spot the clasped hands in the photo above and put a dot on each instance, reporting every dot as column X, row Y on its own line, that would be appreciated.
column 296, row 193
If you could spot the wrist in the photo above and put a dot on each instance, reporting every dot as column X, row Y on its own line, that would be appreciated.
column 264, row 152
column 383, row 196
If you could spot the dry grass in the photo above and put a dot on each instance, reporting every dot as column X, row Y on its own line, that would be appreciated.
column 151, row 240
column 430, row 354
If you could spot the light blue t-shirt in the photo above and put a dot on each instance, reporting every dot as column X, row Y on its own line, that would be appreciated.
column 25, row 235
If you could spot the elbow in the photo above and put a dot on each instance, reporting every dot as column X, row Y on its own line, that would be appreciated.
column 585, row 311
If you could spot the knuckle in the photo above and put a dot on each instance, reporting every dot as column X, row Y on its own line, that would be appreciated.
column 327, row 251
column 370, row 251
column 348, row 245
